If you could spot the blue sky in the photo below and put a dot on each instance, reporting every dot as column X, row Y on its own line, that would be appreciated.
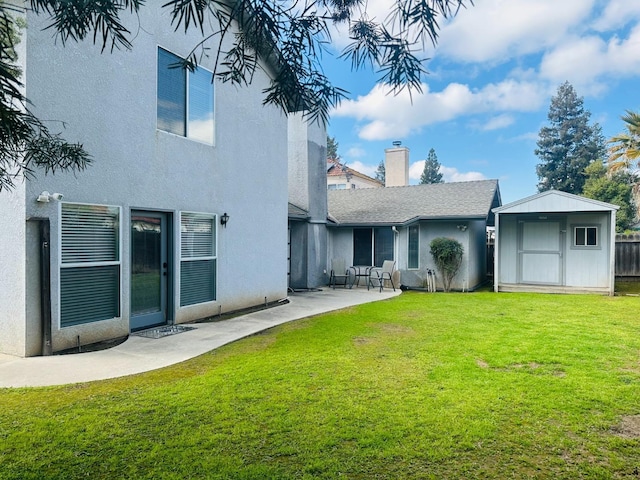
column 491, row 79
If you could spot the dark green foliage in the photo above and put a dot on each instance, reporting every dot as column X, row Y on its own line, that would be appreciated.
column 616, row 188
column 25, row 141
column 431, row 172
column 381, row 172
column 568, row 145
column 332, row 148
column 447, row 254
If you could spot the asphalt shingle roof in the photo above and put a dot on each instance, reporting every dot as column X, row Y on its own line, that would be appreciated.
column 295, row 211
column 398, row 205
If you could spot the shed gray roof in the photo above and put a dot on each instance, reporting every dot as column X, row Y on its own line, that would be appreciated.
column 400, row 205
column 554, row 201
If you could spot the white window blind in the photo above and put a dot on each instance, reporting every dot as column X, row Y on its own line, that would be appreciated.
column 197, row 258
column 89, row 263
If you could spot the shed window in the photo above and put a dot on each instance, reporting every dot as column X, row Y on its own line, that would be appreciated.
column 89, row 263
column 586, row 236
column 197, row 258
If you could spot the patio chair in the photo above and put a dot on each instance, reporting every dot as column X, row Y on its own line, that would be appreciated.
column 377, row 276
column 340, row 274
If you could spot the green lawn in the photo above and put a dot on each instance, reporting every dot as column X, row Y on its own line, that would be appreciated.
column 478, row 385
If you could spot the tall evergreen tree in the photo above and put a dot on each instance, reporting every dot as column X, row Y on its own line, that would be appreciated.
column 431, row 172
column 381, row 172
column 332, row 148
column 569, row 144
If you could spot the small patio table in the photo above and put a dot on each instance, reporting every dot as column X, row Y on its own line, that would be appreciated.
column 361, row 271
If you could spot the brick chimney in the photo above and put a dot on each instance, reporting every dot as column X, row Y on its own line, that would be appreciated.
column 396, row 165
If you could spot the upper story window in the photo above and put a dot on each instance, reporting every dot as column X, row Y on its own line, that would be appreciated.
column 585, row 236
column 185, row 99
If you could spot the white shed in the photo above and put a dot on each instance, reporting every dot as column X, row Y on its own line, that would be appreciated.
column 555, row 242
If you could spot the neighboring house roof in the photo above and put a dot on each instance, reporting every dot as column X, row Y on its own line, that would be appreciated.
column 337, row 169
column 555, row 201
column 296, row 212
column 403, row 205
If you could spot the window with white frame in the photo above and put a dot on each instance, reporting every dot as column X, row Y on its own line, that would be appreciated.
column 89, row 263
column 413, row 257
column 585, row 236
column 185, row 99
column 197, row 258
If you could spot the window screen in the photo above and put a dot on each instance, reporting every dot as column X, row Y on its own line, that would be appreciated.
column 172, row 94
column 383, row 245
column 185, row 99
column 89, row 263
column 197, row 258
column 414, row 247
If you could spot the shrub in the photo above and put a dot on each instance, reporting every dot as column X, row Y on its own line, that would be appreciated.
column 447, row 254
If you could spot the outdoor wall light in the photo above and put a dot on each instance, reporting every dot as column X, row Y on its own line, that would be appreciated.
column 46, row 197
column 462, row 228
column 224, row 219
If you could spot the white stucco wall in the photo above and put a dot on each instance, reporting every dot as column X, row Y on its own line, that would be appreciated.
column 307, row 156
column 108, row 102
column 13, row 259
column 13, row 264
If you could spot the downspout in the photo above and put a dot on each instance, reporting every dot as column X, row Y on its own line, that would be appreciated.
column 45, row 284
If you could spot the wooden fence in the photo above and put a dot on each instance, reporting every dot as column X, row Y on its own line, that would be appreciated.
column 628, row 255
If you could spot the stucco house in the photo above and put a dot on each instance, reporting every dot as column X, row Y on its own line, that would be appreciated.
column 555, row 242
column 341, row 177
column 162, row 228
column 368, row 226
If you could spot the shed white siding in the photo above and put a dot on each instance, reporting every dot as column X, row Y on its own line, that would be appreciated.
column 536, row 247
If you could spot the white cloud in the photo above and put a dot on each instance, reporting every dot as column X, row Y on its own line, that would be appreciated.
column 496, row 30
column 416, row 169
column 616, row 14
column 356, row 152
column 497, row 122
column 451, row 174
column 392, row 117
column 363, row 168
column 589, row 61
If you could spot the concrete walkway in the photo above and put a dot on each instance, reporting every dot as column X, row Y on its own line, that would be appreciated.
column 140, row 354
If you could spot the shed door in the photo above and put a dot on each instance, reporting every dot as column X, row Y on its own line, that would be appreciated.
column 540, row 252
